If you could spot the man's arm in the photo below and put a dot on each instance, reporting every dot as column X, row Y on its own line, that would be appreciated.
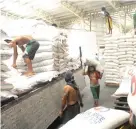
column 64, row 99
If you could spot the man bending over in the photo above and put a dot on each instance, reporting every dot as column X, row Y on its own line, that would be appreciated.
column 29, row 51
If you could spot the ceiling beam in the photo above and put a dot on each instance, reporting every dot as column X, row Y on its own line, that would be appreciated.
column 80, row 13
column 11, row 15
column 114, row 4
column 45, row 16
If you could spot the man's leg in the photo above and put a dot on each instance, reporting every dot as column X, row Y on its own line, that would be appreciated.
column 30, row 68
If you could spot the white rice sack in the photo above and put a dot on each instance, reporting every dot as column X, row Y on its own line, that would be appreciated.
column 100, row 68
column 111, row 45
column 111, row 51
column 38, row 57
column 129, row 52
column 110, row 60
column 4, row 75
column 131, row 40
column 109, row 48
column 26, row 83
column 126, row 37
column 7, row 94
column 111, row 81
column 90, row 61
column 110, row 57
column 125, row 56
column 134, row 52
column 121, row 53
column 127, row 71
column 45, row 76
column 112, row 70
column 112, row 64
column 44, row 69
column 107, row 54
column 111, row 76
column 125, row 46
column 111, row 73
column 110, row 54
column 126, row 62
column 124, row 88
column 126, row 59
column 43, row 63
column 45, row 43
column 6, row 52
column 4, row 68
column 111, row 67
column 125, row 43
column 59, row 49
column 44, row 49
column 98, row 118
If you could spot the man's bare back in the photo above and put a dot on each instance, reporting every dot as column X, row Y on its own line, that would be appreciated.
column 22, row 40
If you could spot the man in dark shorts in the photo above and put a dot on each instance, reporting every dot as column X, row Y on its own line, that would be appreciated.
column 29, row 51
column 71, row 100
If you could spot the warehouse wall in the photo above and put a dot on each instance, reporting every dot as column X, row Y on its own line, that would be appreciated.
column 38, row 109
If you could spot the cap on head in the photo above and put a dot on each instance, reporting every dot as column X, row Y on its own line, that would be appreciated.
column 68, row 76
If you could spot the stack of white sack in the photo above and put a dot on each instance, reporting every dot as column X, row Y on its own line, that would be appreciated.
column 98, row 118
column 93, row 62
column 132, row 96
column 73, row 63
column 22, row 83
column 134, row 54
column 60, row 52
column 111, row 61
column 125, row 51
column 126, row 74
column 42, row 65
column 42, row 62
column 6, row 53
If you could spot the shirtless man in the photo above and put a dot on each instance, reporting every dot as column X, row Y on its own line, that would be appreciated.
column 29, row 51
column 94, row 76
column 71, row 101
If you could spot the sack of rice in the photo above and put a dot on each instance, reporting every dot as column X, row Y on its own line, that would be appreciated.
column 98, row 118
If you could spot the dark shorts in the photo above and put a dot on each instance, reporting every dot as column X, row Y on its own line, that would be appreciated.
column 31, row 49
column 95, row 91
column 134, row 120
column 70, row 112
